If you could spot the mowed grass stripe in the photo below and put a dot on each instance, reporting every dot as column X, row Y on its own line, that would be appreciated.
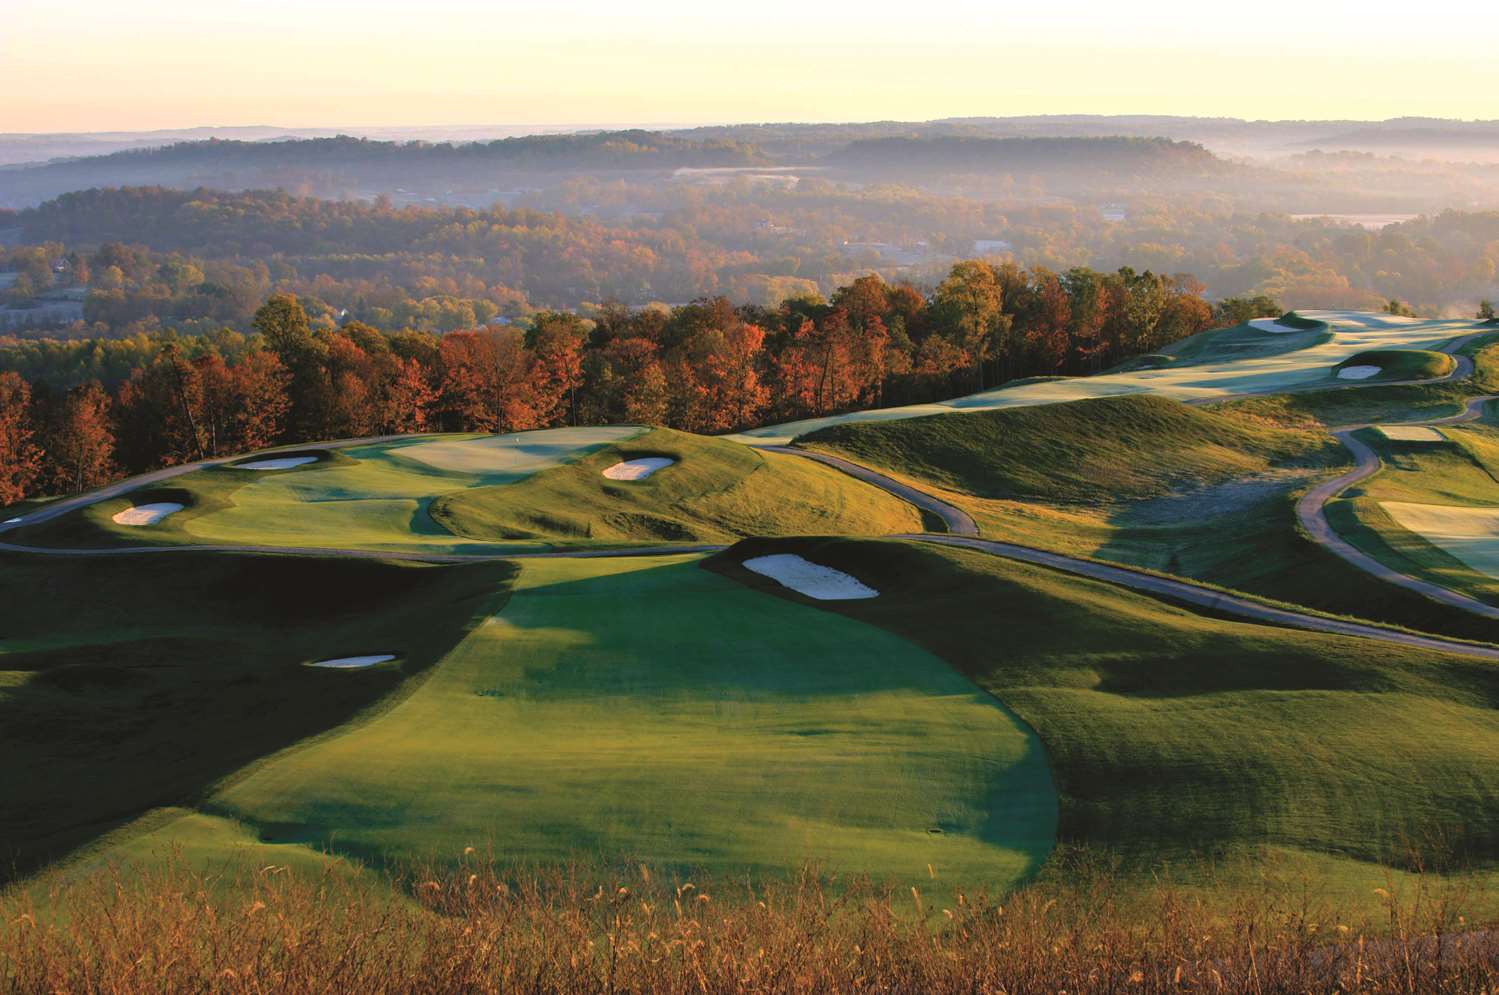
column 646, row 709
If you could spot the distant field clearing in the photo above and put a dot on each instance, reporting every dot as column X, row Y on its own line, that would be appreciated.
column 812, row 579
column 1357, row 372
column 1469, row 534
column 280, row 463
column 147, row 514
column 1410, row 433
column 637, row 469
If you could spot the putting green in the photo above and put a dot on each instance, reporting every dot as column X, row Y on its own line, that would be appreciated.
column 648, row 709
column 1470, row 534
column 1221, row 363
column 518, row 454
column 1410, row 433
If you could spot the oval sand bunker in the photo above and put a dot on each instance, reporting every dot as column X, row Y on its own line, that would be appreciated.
column 147, row 514
column 1357, row 372
column 354, row 662
column 637, row 469
column 280, row 463
column 812, row 579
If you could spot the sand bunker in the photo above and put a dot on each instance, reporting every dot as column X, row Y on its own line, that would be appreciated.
column 147, row 514
column 1357, row 372
column 1273, row 326
column 637, row 469
column 354, row 662
column 1410, row 433
column 812, row 579
column 280, row 463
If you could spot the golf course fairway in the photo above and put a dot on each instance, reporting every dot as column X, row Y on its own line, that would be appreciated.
column 646, row 709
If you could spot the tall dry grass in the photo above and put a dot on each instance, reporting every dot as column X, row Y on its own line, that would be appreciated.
column 483, row 929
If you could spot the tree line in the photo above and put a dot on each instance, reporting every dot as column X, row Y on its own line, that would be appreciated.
column 75, row 414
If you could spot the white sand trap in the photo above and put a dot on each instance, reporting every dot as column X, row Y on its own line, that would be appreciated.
column 10, row 521
column 811, row 579
column 147, row 514
column 1410, row 433
column 354, row 662
column 1357, row 372
column 1273, row 326
column 637, row 469
column 280, row 463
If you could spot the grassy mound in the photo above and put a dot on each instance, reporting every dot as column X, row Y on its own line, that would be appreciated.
column 1172, row 735
column 1094, row 451
column 644, row 709
column 1401, row 364
column 1293, row 320
column 715, row 490
column 1241, row 342
column 128, row 683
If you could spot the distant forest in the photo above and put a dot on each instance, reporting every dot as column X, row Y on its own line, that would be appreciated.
column 141, row 259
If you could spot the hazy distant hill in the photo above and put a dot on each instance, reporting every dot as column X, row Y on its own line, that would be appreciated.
column 345, row 166
column 1118, row 157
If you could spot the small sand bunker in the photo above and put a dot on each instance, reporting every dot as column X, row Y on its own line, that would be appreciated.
column 1410, row 433
column 279, row 463
column 147, row 514
column 1273, row 326
column 1357, row 372
column 10, row 521
column 354, row 662
column 637, row 469
column 812, row 579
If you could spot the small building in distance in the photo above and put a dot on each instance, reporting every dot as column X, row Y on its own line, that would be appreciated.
column 991, row 247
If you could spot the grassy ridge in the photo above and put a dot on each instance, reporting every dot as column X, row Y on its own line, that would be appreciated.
column 1083, row 452
column 128, row 683
column 715, row 491
column 1402, row 364
column 1172, row 736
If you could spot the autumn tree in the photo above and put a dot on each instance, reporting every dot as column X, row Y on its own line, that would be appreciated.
column 80, row 440
column 20, row 457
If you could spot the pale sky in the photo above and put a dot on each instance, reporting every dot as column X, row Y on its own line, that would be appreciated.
column 97, row 65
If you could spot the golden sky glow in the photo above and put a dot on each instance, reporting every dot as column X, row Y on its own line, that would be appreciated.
column 110, row 65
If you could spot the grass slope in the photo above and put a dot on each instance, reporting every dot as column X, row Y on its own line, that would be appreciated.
column 1174, row 737
column 715, row 491
column 646, row 709
column 1085, row 452
column 128, row 683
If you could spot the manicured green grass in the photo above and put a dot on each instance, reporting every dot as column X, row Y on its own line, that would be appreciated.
column 645, row 709
column 1401, row 364
column 129, row 683
column 714, row 491
column 1175, row 737
column 374, row 497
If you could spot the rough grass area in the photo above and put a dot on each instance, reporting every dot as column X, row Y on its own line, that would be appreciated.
column 644, row 709
column 485, row 928
column 1401, row 364
column 714, row 491
column 128, row 683
column 1084, row 452
column 1173, row 736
